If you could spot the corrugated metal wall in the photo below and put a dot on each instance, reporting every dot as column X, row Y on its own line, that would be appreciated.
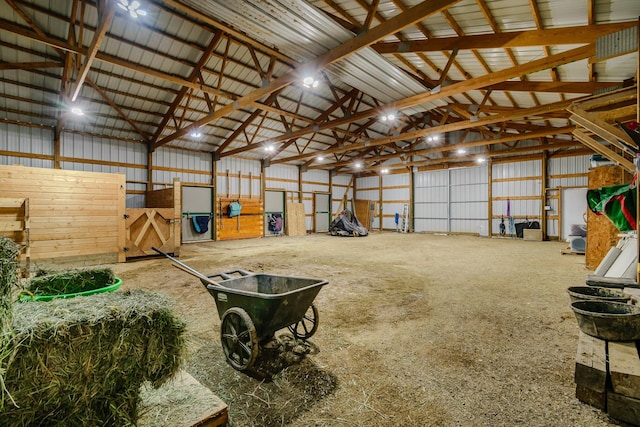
column 238, row 177
column 368, row 188
column 431, row 201
column 563, row 172
column 469, row 195
column 340, row 184
column 396, row 192
column 452, row 201
column 36, row 142
column 519, row 186
column 313, row 181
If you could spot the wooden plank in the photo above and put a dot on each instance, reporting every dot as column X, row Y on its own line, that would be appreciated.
column 295, row 223
column 591, row 371
column 162, row 406
column 623, row 408
column 68, row 209
column 624, row 365
column 11, row 202
column 11, row 226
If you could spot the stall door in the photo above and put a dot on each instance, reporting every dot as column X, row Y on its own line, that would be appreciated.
column 322, row 209
column 273, row 205
column 197, row 214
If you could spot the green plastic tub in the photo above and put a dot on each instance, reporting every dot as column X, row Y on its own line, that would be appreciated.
column 28, row 296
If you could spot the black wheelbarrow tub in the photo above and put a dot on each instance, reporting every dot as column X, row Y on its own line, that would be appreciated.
column 273, row 302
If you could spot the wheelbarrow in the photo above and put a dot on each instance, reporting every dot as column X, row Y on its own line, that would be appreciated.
column 253, row 306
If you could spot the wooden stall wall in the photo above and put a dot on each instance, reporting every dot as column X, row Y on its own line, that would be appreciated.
column 601, row 233
column 249, row 224
column 74, row 216
column 157, row 225
column 15, row 224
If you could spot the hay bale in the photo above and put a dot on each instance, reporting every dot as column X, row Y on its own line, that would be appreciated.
column 82, row 361
column 8, row 279
column 70, row 282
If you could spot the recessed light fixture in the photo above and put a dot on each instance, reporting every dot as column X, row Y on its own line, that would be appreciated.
column 77, row 111
column 132, row 7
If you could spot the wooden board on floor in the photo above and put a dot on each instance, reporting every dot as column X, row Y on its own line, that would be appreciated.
column 624, row 365
column 591, row 371
column 295, row 223
column 182, row 402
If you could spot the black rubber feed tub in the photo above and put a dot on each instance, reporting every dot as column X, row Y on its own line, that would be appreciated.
column 590, row 293
column 613, row 321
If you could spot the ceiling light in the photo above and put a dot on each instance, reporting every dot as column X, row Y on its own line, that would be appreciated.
column 320, row 158
column 357, row 165
column 384, row 171
column 388, row 117
column 196, row 134
column 77, row 111
column 481, row 160
column 268, row 148
column 133, row 8
column 310, row 82
column 461, row 151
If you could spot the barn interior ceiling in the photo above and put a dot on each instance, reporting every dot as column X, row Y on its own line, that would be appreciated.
column 342, row 85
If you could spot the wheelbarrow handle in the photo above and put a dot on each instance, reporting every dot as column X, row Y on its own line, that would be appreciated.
column 184, row 267
column 227, row 275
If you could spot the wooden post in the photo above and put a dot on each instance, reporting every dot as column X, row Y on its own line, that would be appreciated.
column 490, row 195
column 380, row 201
column 149, row 168
column 543, row 213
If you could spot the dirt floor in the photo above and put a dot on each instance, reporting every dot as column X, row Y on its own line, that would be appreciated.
column 414, row 330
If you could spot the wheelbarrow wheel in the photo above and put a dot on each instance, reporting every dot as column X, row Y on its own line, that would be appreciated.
column 307, row 326
column 239, row 338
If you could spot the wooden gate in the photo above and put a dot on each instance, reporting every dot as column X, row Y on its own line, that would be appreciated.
column 157, row 225
column 151, row 227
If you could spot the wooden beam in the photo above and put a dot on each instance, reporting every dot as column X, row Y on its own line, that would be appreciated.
column 584, row 34
column 113, row 105
column 394, row 25
column 605, row 151
column 454, row 89
column 29, row 65
column 604, row 130
column 105, row 21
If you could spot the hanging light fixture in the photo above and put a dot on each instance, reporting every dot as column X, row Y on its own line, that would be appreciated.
column 133, row 8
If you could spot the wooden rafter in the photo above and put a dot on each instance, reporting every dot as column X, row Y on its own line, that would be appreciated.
column 106, row 12
column 398, row 23
column 193, row 76
column 584, row 34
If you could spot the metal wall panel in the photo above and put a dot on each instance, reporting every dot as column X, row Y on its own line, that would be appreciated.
column 340, row 182
column 249, row 171
column 527, row 183
column 557, row 167
column 453, row 200
column 393, row 199
column 282, row 177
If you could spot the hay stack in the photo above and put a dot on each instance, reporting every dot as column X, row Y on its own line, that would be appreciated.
column 82, row 361
column 8, row 279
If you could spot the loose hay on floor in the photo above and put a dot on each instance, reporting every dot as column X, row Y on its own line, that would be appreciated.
column 82, row 361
